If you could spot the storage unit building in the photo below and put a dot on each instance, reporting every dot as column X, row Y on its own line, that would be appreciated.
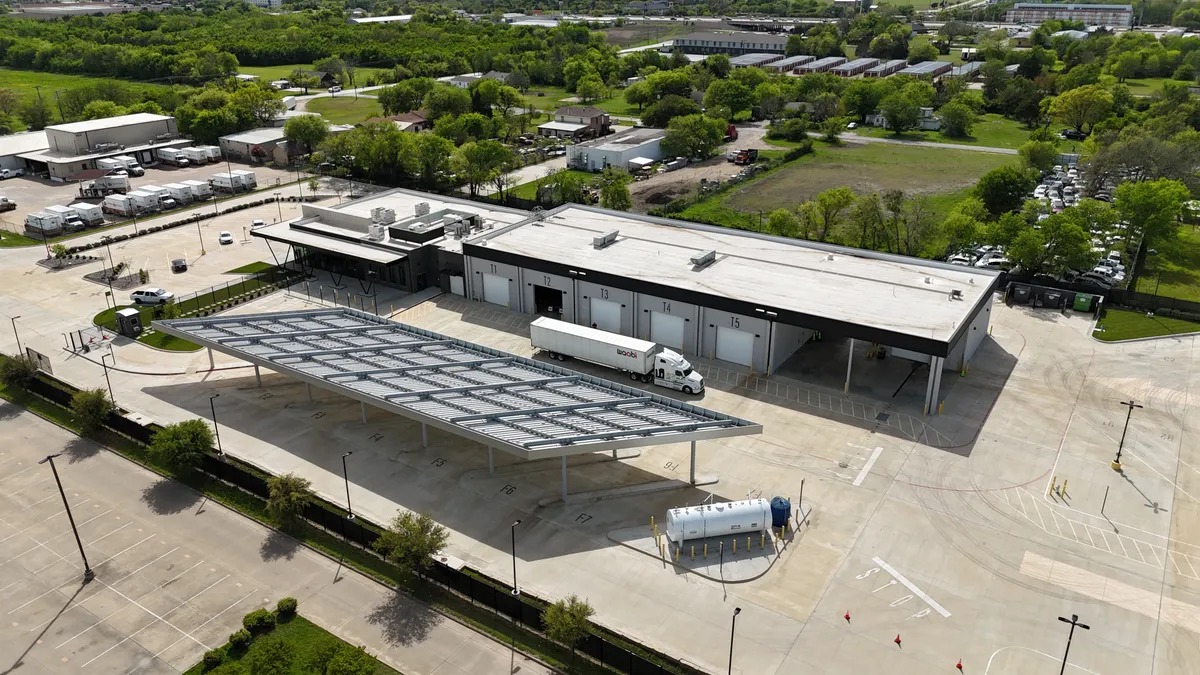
column 820, row 65
column 855, row 67
column 927, row 69
column 886, row 68
column 789, row 64
column 755, row 60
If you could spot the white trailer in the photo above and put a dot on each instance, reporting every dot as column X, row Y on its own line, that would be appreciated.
column 91, row 214
column 200, row 189
column 121, row 205
column 67, row 217
column 224, row 182
column 103, row 186
column 214, row 152
column 42, row 224
column 109, row 163
column 179, row 192
column 172, row 156
column 643, row 360
column 196, row 155
column 749, row 516
column 247, row 178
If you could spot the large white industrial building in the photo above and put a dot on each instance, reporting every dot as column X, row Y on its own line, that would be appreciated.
column 740, row 297
column 75, row 147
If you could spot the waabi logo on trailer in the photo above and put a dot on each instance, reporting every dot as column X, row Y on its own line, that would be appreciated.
column 627, row 353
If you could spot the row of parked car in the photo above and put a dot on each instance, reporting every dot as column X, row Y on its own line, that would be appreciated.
column 1062, row 188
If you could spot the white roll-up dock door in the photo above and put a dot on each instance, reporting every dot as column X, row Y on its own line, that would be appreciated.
column 735, row 346
column 495, row 289
column 667, row 330
column 606, row 315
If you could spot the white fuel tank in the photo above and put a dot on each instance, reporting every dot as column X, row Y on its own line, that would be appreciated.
column 718, row 520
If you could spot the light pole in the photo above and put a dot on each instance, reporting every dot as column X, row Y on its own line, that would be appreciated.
column 732, row 625
column 88, row 574
column 200, row 237
column 1116, row 463
column 346, row 477
column 105, row 366
column 216, row 429
column 277, row 206
column 107, row 241
column 20, row 349
column 515, row 591
column 1074, row 621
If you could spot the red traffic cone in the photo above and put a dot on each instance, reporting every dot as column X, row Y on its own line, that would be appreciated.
column 897, row 640
column 847, row 617
column 959, row 666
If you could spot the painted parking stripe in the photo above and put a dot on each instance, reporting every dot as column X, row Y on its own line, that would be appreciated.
column 862, row 473
column 912, row 587
column 52, row 515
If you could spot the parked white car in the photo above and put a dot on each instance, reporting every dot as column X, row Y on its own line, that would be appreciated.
column 151, row 296
column 225, row 238
column 11, row 173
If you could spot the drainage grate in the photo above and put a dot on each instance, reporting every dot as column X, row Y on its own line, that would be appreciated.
column 882, row 417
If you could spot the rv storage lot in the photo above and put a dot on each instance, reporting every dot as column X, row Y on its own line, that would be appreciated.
column 939, row 529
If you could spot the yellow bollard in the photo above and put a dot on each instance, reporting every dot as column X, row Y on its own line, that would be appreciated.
column 1064, row 489
column 676, row 554
column 747, row 544
column 784, row 536
column 706, row 550
column 662, row 552
column 693, row 551
column 735, row 546
column 652, row 522
column 763, row 543
column 1053, row 484
column 940, row 404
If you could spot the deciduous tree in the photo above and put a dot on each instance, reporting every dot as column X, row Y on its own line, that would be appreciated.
column 411, row 540
column 693, row 136
column 1082, row 108
column 182, row 445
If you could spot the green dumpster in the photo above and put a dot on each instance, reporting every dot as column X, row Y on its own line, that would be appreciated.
column 1083, row 302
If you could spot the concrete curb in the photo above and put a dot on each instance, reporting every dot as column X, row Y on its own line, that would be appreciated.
column 1092, row 335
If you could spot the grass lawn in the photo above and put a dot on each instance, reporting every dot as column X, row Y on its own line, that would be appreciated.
column 1179, row 265
column 529, row 190
column 12, row 240
column 272, row 73
column 24, row 81
column 304, row 640
column 1149, row 85
column 108, row 319
column 639, row 34
column 542, row 97
column 252, row 268
column 343, row 109
column 1120, row 324
column 991, row 130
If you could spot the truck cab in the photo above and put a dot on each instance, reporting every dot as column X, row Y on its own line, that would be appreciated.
column 673, row 371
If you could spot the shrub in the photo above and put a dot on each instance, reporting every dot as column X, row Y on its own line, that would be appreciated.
column 270, row 657
column 286, row 607
column 212, row 659
column 567, row 621
column 411, row 540
column 351, row 661
column 91, row 407
column 182, row 445
column 258, row 621
column 17, row 372
column 240, row 639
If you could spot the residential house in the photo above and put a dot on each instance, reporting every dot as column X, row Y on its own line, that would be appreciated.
column 577, row 122
column 927, row 121
column 496, row 75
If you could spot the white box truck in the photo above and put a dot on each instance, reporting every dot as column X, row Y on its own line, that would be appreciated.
column 42, row 224
column 214, row 153
column 224, row 182
column 91, row 214
column 104, row 185
column 165, row 202
column 67, row 217
column 247, row 178
column 109, row 163
column 200, row 189
column 179, row 192
column 121, row 205
column 643, row 360
column 195, row 155
column 172, row 156
column 144, row 201
column 131, row 165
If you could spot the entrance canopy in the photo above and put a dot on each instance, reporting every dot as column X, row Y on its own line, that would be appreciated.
column 284, row 233
column 525, row 407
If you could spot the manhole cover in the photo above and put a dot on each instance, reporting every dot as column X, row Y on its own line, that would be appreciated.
column 843, row 465
column 882, row 417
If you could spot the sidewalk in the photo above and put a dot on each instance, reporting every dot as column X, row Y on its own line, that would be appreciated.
column 404, row 634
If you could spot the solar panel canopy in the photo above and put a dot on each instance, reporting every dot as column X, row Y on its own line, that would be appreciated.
column 525, row 407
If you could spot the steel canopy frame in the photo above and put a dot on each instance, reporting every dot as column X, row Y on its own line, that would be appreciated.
column 527, row 408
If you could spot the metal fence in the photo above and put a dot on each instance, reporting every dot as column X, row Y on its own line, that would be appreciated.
column 1158, row 304
column 495, row 596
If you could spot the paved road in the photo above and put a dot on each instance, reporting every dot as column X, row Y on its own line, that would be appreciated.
column 302, row 101
column 853, row 138
column 527, row 173
column 174, row 574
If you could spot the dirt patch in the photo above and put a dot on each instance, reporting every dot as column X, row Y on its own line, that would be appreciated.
column 664, row 187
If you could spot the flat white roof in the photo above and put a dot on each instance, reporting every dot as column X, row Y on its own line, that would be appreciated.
column 625, row 140
column 30, row 141
column 893, row 293
column 109, row 123
column 260, row 135
column 562, row 126
column 283, row 232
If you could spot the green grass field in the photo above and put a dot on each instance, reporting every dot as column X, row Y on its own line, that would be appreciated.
column 1149, row 85
column 1178, row 267
column 944, row 176
column 991, row 130
column 12, row 240
column 153, row 338
column 304, row 640
column 272, row 73
column 252, row 268
column 1120, row 324
column 343, row 109
column 26, row 81
column 529, row 190
column 639, row 34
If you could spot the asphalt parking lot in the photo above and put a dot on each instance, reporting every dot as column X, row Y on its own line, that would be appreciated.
column 34, row 194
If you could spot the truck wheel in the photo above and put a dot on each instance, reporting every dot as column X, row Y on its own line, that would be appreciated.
column 688, row 391
column 633, row 376
column 646, row 377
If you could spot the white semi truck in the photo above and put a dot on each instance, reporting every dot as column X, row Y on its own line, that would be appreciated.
column 643, row 360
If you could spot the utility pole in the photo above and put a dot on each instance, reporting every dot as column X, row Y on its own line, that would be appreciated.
column 1074, row 621
column 88, row 574
column 1116, row 463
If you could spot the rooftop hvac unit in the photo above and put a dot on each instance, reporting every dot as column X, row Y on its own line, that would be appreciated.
column 376, row 232
column 387, row 216
column 956, row 294
column 703, row 259
column 604, row 239
column 422, row 208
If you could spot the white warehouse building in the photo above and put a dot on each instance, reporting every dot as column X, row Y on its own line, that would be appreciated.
column 616, row 150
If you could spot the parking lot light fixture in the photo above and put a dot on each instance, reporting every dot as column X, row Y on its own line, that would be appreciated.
column 277, row 206
column 20, row 349
column 1074, row 621
column 346, row 477
column 104, row 364
column 515, row 591
column 88, row 574
column 201, row 237
column 1116, row 463
column 216, row 430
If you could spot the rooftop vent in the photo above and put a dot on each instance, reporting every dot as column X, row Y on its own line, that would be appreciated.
column 604, row 239
column 956, row 294
column 928, row 280
column 382, row 215
column 704, row 259
column 829, row 257
column 422, row 208
column 376, row 232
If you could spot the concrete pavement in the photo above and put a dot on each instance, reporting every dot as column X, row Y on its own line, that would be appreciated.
column 175, row 573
